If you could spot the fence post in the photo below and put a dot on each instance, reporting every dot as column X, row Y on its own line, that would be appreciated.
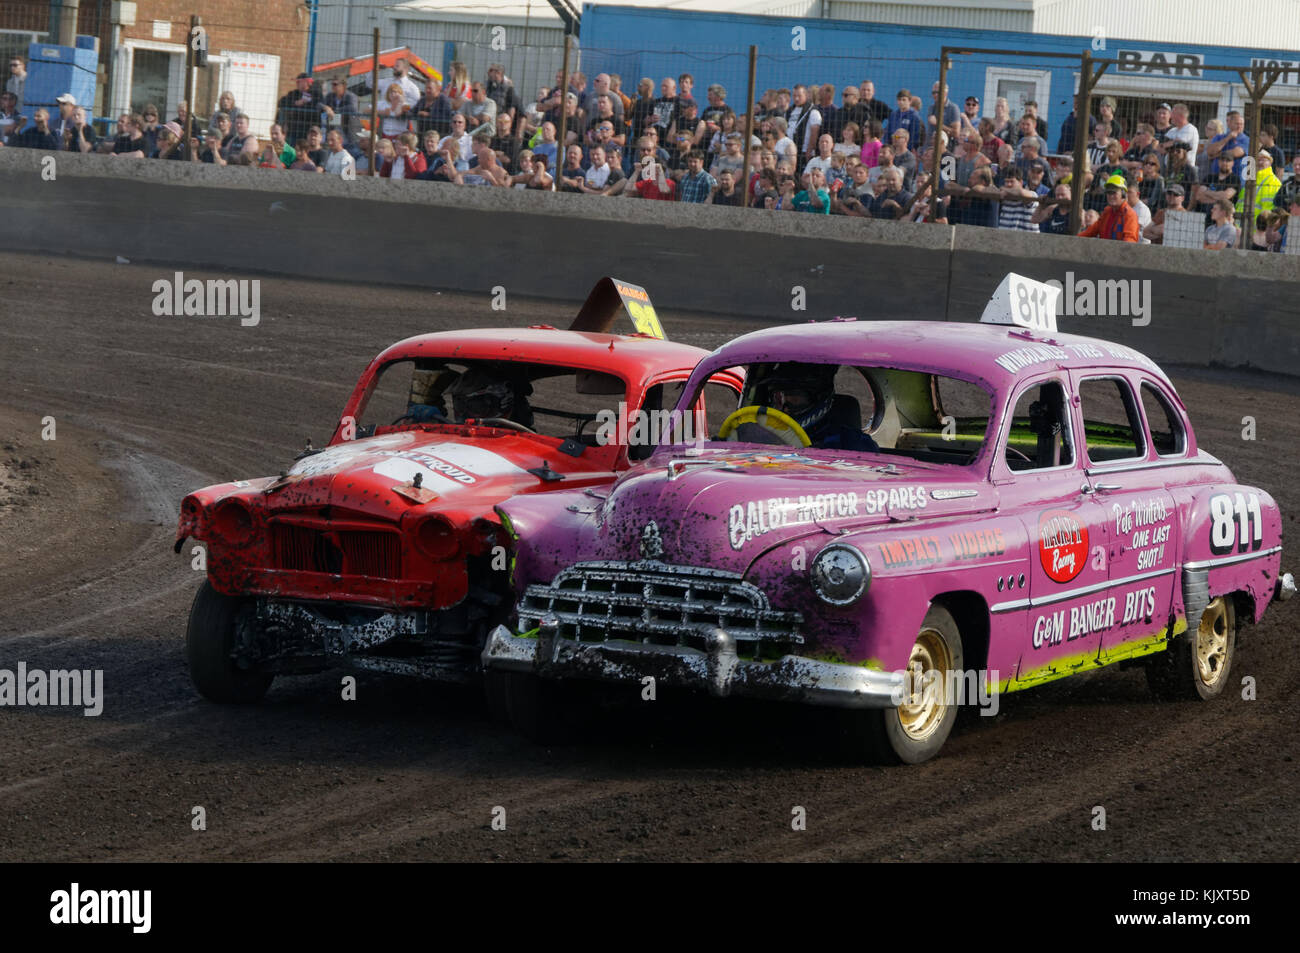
column 191, row 85
column 749, row 123
column 562, row 133
column 1082, row 120
column 936, row 153
column 1257, row 86
column 374, row 105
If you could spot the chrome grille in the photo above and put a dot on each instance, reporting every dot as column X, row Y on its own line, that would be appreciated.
column 661, row 604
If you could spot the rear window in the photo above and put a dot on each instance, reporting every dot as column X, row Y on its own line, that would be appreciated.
column 1166, row 427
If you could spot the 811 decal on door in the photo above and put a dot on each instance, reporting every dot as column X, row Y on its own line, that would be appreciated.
column 1235, row 523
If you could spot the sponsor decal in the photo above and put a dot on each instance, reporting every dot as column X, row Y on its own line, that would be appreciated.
column 1066, row 625
column 895, row 498
column 1146, row 524
column 1062, row 545
column 911, row 551
column 458, row 464
column 1022, row 357
column 976, row 544
column 748, row 521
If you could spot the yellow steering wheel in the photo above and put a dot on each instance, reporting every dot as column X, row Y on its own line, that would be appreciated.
column 782, row 425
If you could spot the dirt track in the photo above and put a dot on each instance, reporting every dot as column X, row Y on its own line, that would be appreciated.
column 148, row 408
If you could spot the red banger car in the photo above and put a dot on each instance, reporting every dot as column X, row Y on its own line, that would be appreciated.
column 382, row 551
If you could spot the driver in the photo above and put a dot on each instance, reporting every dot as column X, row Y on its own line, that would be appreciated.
column 806, row 393
column 488, row 392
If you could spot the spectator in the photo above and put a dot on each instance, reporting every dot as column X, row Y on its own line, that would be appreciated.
column 970, row 117
column 978, row 200
column 766, row 163
column 38, row 135
column 1288, row 207
column 130, row 141
column 853, row 110
column 732, row 160
column 1268, row 142
column 1142, row 146
column 303, row 161
column 314, row 147
column 644, row 112
column 225, row 104
column 1003, row 127
column 1101, row 141
column 1151, row 186
column 1052, row 216
column 1036, row 181
column 804, row 122
column 479, row 110
column 1178, row 171
column 242, row 140
column 462, row 139
column 970, row 155
column 904, row 159
column 502, row 92
column 905, row 119
column 16, row 82
column 815, row 197
column 1234, row 142
column 520, row 179
column 1267, row 185
column 540, row 179
column 1016, row 204
column 1065, row 142
column 1090, row 218
column 297, row 110
column 884, row 160
column 170, row 142
column 484, row 169
column 951, row 114
column 600, row 174
column 505, row 144
column 572, row 175
column 685, row 87
column 407, row 161
column 1220, row 233
column 831, row 121
column 1040, row 124
column 1224, row 184
column 10, row 121
column 849, row 144
column 432, row 111
column 1180, row 130
column 854, row 199
column 667, row 108
column 697, row 186
column 616, row 87
column 152, row 117
column 224, row 129
column 286, row 153
column 726, row 127
column 600, row 89
column 1206, row 166
column 893, row 200
column 992, row 144
column 822, row 160
column 394, row 113
column 727, row 193
column 341, row 110
column 876, row 109
column 1118, row 222
column 1106, row 115
column 429, row 147
column 602, row 119
column 209, row 151
column 651, row 182
column 870, row 154
column 1155, row 232
column 1163, row 125
column 1031, row 148
column 1134, row 198
column 401, row 78
column 61, row 124
column 457, row 86
column 80, row 137
column 544, row 144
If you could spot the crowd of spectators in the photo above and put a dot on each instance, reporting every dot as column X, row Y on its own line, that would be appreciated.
column 862, row 157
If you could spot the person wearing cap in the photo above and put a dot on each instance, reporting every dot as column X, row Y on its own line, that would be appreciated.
column 341, row 110
column 1178, row 171
column 1266, row 185
column 299, row 109
column 1030, row 157
column 1152, row 183
column 1143, row 145
column 61, row 125
column 1160, row 130
column 171, row 142
column 1118, row 222
column 1224, row 183
column 1173, row 199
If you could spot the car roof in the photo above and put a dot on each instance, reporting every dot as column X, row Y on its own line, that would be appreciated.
column 633, row 356
column 996, row 354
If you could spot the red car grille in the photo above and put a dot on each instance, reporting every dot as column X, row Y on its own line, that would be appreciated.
column 347, row 552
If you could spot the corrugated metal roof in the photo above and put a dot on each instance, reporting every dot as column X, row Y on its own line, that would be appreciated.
column 1017, row 15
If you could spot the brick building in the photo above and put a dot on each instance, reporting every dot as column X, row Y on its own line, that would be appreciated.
column 256, row 49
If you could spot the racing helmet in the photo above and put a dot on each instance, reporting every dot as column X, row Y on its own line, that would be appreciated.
column 805, row 392
column 482, row 393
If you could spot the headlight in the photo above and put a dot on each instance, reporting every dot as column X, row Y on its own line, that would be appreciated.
column 436, row 537
column 840, row 574
column 232, row 521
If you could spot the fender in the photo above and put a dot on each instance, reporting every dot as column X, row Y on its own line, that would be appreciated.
column 1232, row 543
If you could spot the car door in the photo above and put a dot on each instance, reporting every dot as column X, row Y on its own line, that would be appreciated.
column 1062, row 620
column 1127, row 468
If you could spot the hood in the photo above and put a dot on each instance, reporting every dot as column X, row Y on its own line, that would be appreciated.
column 727, row 508
column 454, row 468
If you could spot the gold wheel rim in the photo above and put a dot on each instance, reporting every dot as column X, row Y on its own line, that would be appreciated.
column 929, row 670
column 1212, row 643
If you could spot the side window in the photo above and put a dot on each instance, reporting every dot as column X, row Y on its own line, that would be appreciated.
column 1039, row 437
column 1110, row 420
column 1163, row 421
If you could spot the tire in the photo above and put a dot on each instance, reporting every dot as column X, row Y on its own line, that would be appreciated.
column 911, row 734
column 538, row 708
column 1196, row 666
column 209, row 643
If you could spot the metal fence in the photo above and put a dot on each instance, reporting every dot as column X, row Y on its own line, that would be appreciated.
column 256, row 63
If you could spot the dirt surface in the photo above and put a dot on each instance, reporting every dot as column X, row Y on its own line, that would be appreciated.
column 147, row 408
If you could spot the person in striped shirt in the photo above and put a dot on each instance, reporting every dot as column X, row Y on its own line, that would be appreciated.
column 1017, row 203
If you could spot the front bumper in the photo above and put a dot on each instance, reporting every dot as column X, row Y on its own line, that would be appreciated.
column 715, row 669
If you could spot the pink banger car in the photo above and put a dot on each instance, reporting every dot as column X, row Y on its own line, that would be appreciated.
column 900, row 515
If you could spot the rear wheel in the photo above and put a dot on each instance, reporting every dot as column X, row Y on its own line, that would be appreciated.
column 210, row 641
column 1197, row 664
column 916, row 730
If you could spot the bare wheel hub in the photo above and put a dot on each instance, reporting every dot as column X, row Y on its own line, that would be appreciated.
column 1212, row 643
column 928, row 672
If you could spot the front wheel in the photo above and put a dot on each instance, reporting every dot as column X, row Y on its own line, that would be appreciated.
column 539, row 709
column 916, row 730
column 210, row 642
column 1197, row 664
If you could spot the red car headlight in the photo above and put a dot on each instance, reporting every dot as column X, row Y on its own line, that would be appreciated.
column 436, row 537
column 232, row 521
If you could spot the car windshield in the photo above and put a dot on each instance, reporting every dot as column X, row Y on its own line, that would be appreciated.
column 562, row 402
column 861, row 409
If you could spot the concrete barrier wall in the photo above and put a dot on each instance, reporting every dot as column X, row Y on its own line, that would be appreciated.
column 1232, row 308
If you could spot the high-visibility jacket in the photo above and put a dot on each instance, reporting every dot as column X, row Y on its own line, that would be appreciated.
column 1117, row 222
column 1266, row 185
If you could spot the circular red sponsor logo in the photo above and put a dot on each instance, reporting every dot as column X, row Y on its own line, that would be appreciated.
column 1062, row 545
